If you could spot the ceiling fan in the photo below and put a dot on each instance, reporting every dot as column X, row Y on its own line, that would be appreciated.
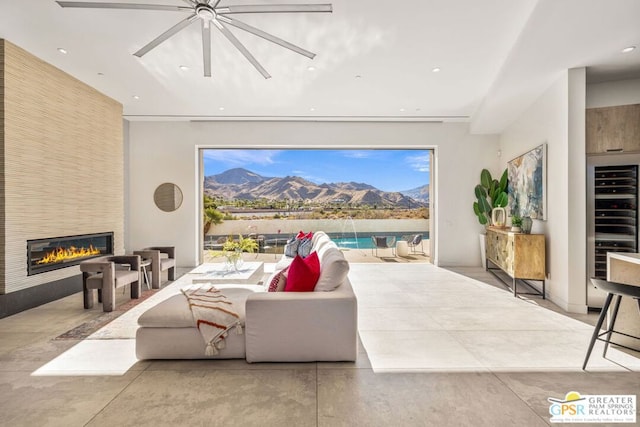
column 210, row 12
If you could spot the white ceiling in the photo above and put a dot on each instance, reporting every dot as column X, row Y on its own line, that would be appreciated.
column 496, row 57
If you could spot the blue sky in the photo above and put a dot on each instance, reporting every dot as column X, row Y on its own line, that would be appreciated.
column 387, row 170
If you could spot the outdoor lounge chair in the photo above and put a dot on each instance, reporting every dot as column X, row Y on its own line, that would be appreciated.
column 384, row 242
column 413, row 241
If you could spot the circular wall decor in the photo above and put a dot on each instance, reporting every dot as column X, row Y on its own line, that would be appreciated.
column 168, row 197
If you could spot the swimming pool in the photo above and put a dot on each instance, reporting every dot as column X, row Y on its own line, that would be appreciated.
column 364, row 242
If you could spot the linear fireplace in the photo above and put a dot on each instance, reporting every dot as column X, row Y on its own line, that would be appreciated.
column 60, row 252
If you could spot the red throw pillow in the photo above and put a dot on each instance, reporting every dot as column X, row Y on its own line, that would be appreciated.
column 303, row 274
column 309, row 235
column 300, row 235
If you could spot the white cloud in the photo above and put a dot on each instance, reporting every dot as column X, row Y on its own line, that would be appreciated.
column 244, row 158
column 358, row 154
column 419, row 163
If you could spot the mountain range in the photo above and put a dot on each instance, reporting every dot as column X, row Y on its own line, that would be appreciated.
column 239, row 183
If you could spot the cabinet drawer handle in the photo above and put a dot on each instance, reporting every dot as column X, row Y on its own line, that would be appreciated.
column 614, row 150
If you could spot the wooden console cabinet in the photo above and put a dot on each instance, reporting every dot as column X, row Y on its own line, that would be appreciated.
column 521, row 256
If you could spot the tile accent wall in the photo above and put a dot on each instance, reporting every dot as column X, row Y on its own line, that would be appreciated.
column 61, row 153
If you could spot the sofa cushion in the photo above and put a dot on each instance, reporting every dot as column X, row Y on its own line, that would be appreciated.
column 324, row 247
column 277, row 281
column 283, row 263
column 174, row 312
column 318, row 236
column 303, row 274
column 333, row 270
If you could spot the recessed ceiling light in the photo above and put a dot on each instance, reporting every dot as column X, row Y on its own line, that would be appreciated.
column 436, row 70
column 136, row 97
column 628, row 49
column 312, row 109
column 221, row 108
column 62, row 50
column 358, row 76
column 402, row 110
column 183, row 67
column 417, row 109
column 101, row 74
column 311, row 68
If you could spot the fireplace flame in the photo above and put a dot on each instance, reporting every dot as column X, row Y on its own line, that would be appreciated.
column 63, row 254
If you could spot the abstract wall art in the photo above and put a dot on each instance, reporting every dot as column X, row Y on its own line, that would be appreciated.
column 527, row 183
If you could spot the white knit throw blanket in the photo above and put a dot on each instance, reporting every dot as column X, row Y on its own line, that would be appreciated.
column 213, row 315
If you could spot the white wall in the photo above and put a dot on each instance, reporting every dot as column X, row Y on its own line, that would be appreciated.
column 557, row 119
column 167, row 152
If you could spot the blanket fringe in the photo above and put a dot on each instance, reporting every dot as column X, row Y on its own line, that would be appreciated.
column 211, row 350
column 221, row 345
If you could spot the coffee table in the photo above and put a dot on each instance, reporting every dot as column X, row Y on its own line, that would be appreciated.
column 248, row 272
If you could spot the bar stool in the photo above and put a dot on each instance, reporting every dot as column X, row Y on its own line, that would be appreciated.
column 618, row 290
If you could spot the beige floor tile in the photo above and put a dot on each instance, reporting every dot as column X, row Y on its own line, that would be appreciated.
column 523, row 350
column 535, row 388
column 215, row 398
column 417, row 350
column 62, row 401
column 365, row 398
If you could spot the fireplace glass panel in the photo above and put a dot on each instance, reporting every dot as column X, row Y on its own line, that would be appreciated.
column 60, row 252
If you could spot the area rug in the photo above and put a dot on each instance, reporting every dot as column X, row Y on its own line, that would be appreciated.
column 89, row 327
column 122, row 322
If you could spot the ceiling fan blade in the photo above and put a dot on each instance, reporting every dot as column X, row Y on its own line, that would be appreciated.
column 225, row 31
column 266, row 36
column 164, row 36
column 275, row 8
column 206, row 47
column 84, row 4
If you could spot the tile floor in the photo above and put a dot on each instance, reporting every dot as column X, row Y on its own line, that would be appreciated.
column 438, row 348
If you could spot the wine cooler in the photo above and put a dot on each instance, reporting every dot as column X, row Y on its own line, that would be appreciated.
column 613, row 218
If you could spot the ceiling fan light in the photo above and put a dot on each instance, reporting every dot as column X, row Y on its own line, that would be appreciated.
column 205, row 12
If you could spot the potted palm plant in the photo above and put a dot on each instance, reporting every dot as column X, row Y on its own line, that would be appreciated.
column 490, row 194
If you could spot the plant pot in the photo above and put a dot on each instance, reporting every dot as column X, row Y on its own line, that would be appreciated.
column 515, row 229
column 233, row 260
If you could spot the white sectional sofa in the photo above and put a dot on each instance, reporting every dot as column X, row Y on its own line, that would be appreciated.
column 278, row 326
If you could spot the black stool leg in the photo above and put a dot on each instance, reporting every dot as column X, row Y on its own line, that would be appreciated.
column 614, row 315
column 596, row 332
